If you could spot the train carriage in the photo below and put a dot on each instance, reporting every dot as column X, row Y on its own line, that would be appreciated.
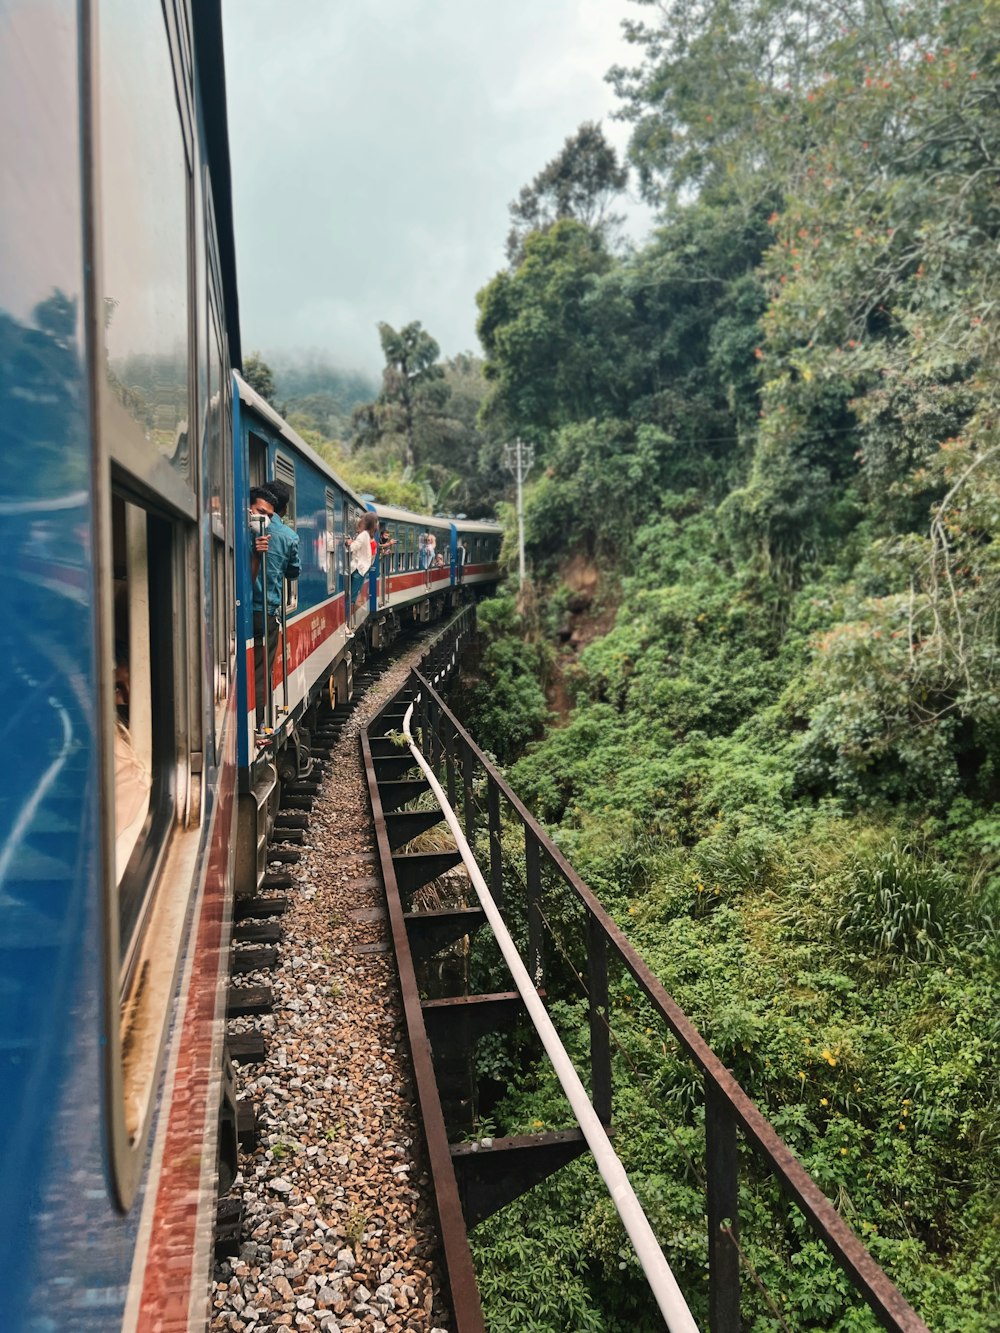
column 118, row 326
column 139, row 791
column 406, row 581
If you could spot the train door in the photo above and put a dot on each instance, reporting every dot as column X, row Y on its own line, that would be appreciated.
column 284, row 470
column 333, row 544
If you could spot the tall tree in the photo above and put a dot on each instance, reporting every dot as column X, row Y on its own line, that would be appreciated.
column 411, row 369
column 259, row 376
column 546, row 334
column 580, row 183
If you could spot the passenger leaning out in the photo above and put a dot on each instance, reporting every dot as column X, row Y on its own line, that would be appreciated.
column 427, row 545
column 360, row 551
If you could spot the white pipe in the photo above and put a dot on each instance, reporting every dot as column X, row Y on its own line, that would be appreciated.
column 661, row 1280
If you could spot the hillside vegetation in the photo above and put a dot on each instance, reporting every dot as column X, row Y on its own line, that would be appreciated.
column 774, row 429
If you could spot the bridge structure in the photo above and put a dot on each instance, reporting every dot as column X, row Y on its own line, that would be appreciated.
column 490, row 865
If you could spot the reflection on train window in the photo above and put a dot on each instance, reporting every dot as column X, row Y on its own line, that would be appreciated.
column 143, row 209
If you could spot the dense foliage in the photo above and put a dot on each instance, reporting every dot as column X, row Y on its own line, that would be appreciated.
column 776, row 424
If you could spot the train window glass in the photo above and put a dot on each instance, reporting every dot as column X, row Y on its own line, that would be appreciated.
column 133, row 739
column 146, row 693
column 258, row 460
column 284, row 470
column 152, row 805
column 144, row 227
column 329, row 546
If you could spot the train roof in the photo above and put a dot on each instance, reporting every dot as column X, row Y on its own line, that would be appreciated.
column 433, row 520
column 263, row 408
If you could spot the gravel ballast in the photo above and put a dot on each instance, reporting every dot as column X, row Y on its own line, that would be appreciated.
column 339, row 1230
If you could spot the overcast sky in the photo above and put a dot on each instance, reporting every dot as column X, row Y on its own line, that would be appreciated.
column 376, row 145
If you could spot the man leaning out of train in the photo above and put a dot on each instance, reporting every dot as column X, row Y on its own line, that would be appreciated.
column 279, row 545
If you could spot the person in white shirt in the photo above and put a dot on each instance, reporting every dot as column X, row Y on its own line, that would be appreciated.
column 361, row 552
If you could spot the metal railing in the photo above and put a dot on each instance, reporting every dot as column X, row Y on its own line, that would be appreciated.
column 465, row 772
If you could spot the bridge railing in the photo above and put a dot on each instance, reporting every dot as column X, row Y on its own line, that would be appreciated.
column 491, row 811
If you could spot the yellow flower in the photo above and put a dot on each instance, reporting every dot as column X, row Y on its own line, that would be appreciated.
column 828, row 1057
column 823, row 1102
column 802, row 1075
column 902, row 1124
column 843, row 1152
column 536, row 1124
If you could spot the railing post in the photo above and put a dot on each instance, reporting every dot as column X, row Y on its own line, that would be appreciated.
column 722, row 1191
column 533, row 885
column 434, row 724
column 496, row 842
column 600, row 1033
column 468, row 766
column 449, row 758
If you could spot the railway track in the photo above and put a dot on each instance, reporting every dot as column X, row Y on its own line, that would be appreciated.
column 337, row 1227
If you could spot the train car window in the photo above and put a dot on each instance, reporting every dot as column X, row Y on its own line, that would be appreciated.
column 284, row 470
column 133, row 741
column 328, row 552
column 258, row 460
column 144, row 182
column 151, row 779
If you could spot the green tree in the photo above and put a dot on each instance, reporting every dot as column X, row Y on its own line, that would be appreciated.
column 409, row 381
column 259, row 376
column 580, row 182
column 543, row 329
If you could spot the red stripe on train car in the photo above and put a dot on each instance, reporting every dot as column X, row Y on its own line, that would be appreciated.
column 177, row 1242
column 305, row 633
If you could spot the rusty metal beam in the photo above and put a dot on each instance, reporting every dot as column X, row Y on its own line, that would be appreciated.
column 392, row 767
column 395, row 794
column 466, row 1017
column 494, row 1172
column 466, row 1306
column 430, row 932
column 409, row 824
column 415, row 869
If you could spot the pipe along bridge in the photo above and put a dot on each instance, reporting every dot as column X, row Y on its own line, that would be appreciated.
column 493, row 867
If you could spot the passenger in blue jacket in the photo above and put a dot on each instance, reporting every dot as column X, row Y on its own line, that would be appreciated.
column 282, row 561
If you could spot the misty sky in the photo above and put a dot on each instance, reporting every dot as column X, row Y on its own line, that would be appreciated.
column 376, row 145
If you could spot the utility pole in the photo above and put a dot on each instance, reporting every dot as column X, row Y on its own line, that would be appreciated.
column 518, row 458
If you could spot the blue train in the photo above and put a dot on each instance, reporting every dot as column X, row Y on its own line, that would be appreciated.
column 139, row 788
